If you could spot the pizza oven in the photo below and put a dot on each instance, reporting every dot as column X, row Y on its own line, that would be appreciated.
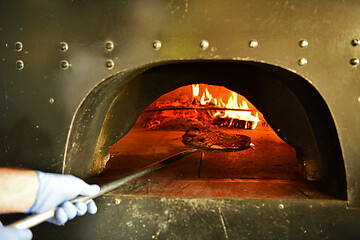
column 102, row 89
column 159, row 113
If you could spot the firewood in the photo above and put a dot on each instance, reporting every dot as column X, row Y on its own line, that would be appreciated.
column 233, row 123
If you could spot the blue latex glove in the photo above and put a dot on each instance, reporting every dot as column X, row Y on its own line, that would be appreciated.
column 14, row 234
column 56, row 189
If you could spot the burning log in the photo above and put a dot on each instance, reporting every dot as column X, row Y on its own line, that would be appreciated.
column 233, row 123
column 183, row 109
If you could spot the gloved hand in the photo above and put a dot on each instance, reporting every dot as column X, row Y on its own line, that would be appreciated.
column 14, row 234
column 56, row 189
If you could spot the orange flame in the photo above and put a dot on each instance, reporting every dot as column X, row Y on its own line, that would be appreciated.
column 232, row 103
column 195, row 90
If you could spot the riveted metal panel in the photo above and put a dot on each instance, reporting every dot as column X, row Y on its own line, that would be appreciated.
column 128, row 217
column 39, row 101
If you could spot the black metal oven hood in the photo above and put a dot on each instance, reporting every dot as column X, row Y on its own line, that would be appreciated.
column 69, row 70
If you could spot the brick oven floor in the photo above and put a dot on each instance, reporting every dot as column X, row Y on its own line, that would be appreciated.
column 269, row 170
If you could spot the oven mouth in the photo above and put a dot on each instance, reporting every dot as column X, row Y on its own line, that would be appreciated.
column 290, row 104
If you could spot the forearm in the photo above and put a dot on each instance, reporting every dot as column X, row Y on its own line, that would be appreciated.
column 18, row 190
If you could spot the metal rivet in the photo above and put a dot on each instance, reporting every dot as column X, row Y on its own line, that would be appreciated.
column 18, row 46
column 303, row 43
column 281, row 206
column 64, row 46
column 302, row 61
column 109, row 46
column 51, row 100
column 204, row 44
column 359, row 99
column 355, row 42
column 65, row 64
column 354, row 61
column 253, row 44
column 19, row 64
column 157, row 45
column 109, row 64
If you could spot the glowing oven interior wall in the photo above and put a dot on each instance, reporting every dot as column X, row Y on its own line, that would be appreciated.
column 290, row 105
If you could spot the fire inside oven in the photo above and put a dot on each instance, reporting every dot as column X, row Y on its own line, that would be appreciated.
column 211, row 109
column 285, row 119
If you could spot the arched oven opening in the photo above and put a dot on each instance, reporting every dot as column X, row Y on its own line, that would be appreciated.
column 138, row 117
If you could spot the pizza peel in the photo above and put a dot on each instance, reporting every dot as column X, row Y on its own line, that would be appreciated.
column 36, row 219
